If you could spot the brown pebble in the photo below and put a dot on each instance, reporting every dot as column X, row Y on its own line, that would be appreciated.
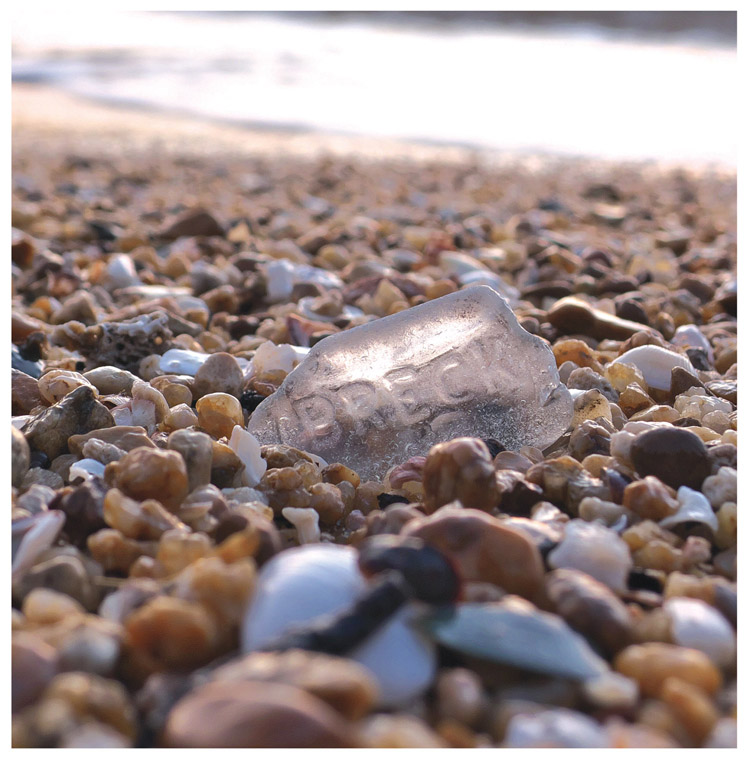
column 673, row 454
column 572, row 316
column 24, row 393
column 691, row 706
column 650, row 499
column 219, row 413
column 484, row 549
column 590, row 608
column 255, row 715
column 125, row 437
column 345, row 685
column 460, row 469
column 147, row 473
column 220, row 373
column 195, row 223
column 78, row 412
column 653, row 663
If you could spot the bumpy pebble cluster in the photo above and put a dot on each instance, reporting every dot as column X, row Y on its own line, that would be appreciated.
column 157, row 300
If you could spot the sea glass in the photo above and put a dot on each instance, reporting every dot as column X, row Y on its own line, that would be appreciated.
column 375, row 395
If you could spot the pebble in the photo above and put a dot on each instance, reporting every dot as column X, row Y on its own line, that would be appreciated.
column 611, row 691
column 85, row 468
column 596, row 550
column 144, row 520
column 77, row 413
column 20, row 457
column 571, row 315
column 345, row 685
column 310, row 581
column 653, row 663
column 656, row 364
column 483, row 549
column 650, row 499
column 721, row 487
column 218, row 413
column 31, row 537
column 460, row 696
column 698, row 625
column 24, row 392
column 459, row 469
column 556, row 728
column 220, row 373
column 148, row 473
column 673, row 454
column 123, row 437
column 590, row 608
column 398, row 731
column 196, row 449
column 33, row 666
column 248, row 714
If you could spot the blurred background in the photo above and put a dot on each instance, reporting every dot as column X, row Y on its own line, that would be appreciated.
column 615, row 85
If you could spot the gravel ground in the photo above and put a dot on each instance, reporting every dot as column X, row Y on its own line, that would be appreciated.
column 168, row 276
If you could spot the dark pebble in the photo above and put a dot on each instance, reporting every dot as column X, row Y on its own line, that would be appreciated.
column 676, row 456
column 18, row 362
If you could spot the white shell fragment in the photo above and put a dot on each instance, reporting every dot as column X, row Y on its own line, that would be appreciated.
column 596, row 550
column 698, row 625
column 246, row 446
column 301, row 584
column 690, row 336
column 86, row 468
column 694, row 508
column 305, row 520
column 179, row 361
column 656, row 364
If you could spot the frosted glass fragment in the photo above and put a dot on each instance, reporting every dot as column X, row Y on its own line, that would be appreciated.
column 375, row 395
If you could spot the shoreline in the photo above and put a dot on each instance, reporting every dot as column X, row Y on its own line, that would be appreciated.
column 63, row 121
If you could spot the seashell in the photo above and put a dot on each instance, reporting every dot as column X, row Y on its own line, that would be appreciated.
column 656, row 364
column 298, row 585
column 246, row 446
column 694, row 508
column 514, row 632
column 31, row 536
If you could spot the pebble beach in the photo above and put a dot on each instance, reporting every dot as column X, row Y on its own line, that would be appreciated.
column 171, row 564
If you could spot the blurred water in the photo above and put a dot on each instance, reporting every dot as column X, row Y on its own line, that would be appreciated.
column 575, row 90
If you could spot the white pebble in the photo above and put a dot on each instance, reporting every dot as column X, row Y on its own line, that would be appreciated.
column 279, row 280
column 301, row 584
column 247, row 447
column 121, row 272
column 611, row 690
column 269, row 356
column 698, row 625
column 721, row 487
column 594, row 549
column 656, row 364
column 690, row 336
column 556, row 728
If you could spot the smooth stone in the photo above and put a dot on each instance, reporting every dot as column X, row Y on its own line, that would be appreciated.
column 570, row 315
column 219, row 373
column 33, row 666
column 656, row 364
column 109, row 380
column 247, row 714
column 300, row 584
column 673, row 454
column 196, row 449
column 484, row 549
column 698, row 625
